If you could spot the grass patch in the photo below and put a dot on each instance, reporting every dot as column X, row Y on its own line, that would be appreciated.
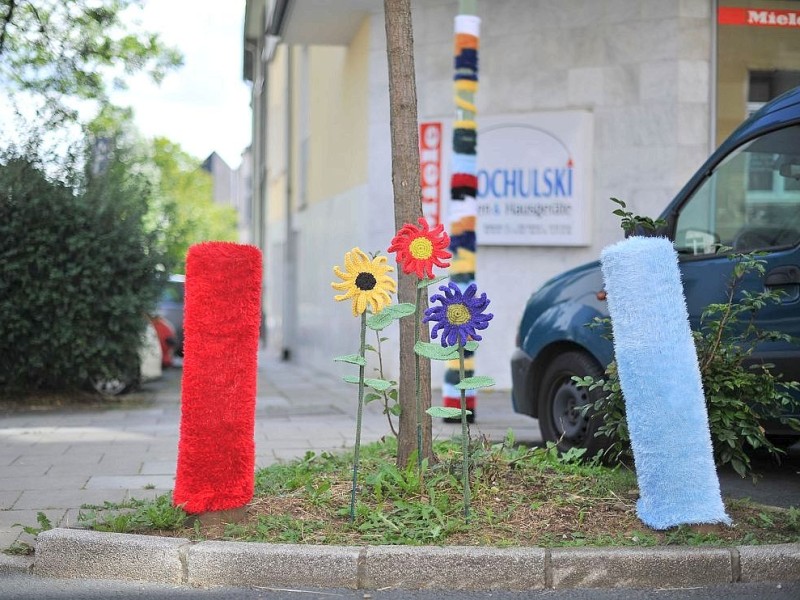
column 521, row 497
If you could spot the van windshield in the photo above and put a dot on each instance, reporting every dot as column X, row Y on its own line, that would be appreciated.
column 750, row 202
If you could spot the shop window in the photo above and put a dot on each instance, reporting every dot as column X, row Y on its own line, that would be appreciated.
column 758, row 58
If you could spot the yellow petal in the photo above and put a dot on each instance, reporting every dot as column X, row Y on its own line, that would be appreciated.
column 361, row 306
column 342, row 285
column 342, row 274
column 350, row 293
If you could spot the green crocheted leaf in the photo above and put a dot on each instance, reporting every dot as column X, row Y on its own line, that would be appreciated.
column 435, row 351
column 445, row 412
column 426, row 282
column 471, row 346
column 380, row 321
column 378, row 384
column 353, row 359
column 473, row 383
column 398, row 311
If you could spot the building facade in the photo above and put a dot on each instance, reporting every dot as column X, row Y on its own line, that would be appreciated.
column 577, row 102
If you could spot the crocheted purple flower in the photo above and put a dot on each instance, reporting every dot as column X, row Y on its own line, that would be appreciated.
column 459, row 315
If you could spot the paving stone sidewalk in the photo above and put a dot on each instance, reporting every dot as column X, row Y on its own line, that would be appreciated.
column 57, row 460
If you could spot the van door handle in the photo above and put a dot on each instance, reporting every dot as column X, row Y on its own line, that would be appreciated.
column 780, row 276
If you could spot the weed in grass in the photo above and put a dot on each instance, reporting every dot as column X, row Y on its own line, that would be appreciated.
column 134, row 516
column 44, row 525
column 24, row 548
column 18, row 548
column 686, row 535
column 793, row 518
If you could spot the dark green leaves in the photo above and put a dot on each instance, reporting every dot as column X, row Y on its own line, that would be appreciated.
column 79, row 273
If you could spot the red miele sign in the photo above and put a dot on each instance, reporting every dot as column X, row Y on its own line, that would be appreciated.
column 430, row 165
column 758, row 17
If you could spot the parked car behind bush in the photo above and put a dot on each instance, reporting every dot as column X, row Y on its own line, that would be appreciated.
column 170, row 306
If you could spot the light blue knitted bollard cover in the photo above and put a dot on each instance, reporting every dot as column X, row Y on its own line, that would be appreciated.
column 660, row 379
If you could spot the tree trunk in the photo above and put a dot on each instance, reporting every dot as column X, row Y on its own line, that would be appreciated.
column 407, row 209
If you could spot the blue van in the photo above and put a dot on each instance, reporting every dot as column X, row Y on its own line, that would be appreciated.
column 746, row 196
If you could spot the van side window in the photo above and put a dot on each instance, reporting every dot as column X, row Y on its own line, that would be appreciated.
column 750, row 202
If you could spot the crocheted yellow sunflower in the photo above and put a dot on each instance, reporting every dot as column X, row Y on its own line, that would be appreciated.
column 364, row 280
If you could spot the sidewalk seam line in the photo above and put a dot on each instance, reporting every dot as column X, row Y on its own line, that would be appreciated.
column 736, row 565
column 548, row 570
column 361, row 568
column 183, row 557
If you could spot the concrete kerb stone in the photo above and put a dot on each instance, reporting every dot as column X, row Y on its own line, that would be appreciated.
column 272, row 565
column 779, row 562
column 454, row 568
column 15, row 564
column 73, row 553
column 639, row 567
column 77, row 553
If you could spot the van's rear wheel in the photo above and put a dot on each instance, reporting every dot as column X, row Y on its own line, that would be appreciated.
column 561, row 416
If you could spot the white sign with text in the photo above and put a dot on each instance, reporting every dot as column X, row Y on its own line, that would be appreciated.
column 534, row 179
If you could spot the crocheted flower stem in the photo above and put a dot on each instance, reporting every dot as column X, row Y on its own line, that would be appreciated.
column 417, row 379
column 361, row 353
column 464, row 434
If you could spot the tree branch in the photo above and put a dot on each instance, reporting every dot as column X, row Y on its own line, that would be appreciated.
column 6, row 22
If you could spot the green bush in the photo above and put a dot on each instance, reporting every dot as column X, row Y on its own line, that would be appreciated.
column 79, row 273
column 740, row 399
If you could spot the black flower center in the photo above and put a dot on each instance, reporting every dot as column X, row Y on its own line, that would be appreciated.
column 365, row 281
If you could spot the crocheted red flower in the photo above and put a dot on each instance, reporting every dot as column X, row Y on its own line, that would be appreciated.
column 419, row 249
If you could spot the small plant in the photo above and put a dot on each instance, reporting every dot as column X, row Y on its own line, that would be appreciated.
column 391, row 407
column 24, row 548
column 635, row 224
column 793, row 518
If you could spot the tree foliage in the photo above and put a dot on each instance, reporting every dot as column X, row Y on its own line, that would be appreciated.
column 181, row 208
column 190, row 214
column 65, row 49
column 79, row 274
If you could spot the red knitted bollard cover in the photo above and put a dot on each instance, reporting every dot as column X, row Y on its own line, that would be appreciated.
column 222, row 313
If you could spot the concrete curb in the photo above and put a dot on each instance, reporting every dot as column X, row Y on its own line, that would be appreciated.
column 15, row 564
column 74, row 553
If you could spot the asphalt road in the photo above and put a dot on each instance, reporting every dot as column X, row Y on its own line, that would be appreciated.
column 29, row 587
column 778, row 485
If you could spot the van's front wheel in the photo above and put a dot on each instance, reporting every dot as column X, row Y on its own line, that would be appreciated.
column 561, row 416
